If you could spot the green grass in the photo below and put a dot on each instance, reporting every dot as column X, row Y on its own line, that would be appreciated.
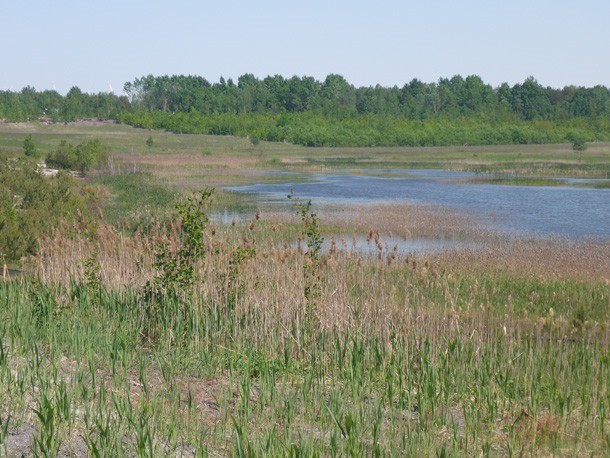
column 602, row 185
column 210, row 382
column 517, row 181
column 135, row 197
column 203, row 153
column 125, row 140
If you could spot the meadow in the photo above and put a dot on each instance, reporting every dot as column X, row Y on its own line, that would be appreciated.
column 159, row 331
column 181, row 159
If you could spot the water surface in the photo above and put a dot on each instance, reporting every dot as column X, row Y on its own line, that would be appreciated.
column 574, row 212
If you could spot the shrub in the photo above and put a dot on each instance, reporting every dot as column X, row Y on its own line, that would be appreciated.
column 30, row 205
column 83, row 157
column 29, row 147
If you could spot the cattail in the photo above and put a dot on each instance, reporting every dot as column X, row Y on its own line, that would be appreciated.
column 333, row 246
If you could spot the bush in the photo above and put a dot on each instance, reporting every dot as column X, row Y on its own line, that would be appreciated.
column 29, row 148
column 83, row 157
column 578, row 141
column 30, row 205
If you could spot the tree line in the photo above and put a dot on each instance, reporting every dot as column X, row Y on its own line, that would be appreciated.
column 334, row 112
column 31, row 105
column 449, row 98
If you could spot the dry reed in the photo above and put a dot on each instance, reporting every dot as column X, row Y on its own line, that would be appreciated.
column 382, row 295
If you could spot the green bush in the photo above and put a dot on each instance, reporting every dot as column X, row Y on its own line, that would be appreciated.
column 578, row 141
column 83, row 157
column 30, row 205
column 29, row 147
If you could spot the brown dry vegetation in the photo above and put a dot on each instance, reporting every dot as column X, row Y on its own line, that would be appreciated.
column 407, row 221
column 382, row 287
column 550, row 260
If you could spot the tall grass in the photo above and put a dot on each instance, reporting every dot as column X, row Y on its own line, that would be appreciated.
column 400, row 356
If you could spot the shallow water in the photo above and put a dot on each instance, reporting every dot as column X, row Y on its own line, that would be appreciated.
column 398, row 245
column 574, row 212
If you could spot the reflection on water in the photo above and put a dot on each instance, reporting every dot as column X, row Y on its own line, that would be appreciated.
column 227, row 217
column 572, row 212
column 399, row 246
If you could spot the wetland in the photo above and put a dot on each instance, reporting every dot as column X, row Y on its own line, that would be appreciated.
column 418, row 306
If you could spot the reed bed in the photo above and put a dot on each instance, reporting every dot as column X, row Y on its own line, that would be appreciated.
column 272, row 351
column 410, row 220
column 550, row 259
column 397, row 222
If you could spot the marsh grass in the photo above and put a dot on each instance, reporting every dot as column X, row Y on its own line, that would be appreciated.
column 448, row 355
column 601, row 184
column 134, row 197
column 552, row 259
column 516, row 181
column 512, row 180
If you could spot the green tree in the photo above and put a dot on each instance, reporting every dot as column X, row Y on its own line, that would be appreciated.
column 74, row 105
column 29, row 147
column 579, row 143
column 337, row 96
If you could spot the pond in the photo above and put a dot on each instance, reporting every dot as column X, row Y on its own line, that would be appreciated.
column 577, row 213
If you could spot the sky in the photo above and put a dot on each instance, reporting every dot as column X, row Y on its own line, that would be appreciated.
column 100, row 45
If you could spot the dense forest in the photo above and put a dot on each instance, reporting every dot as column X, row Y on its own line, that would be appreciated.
column 333, row 112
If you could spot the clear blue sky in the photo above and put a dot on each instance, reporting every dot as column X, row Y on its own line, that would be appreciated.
column 97, row 44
